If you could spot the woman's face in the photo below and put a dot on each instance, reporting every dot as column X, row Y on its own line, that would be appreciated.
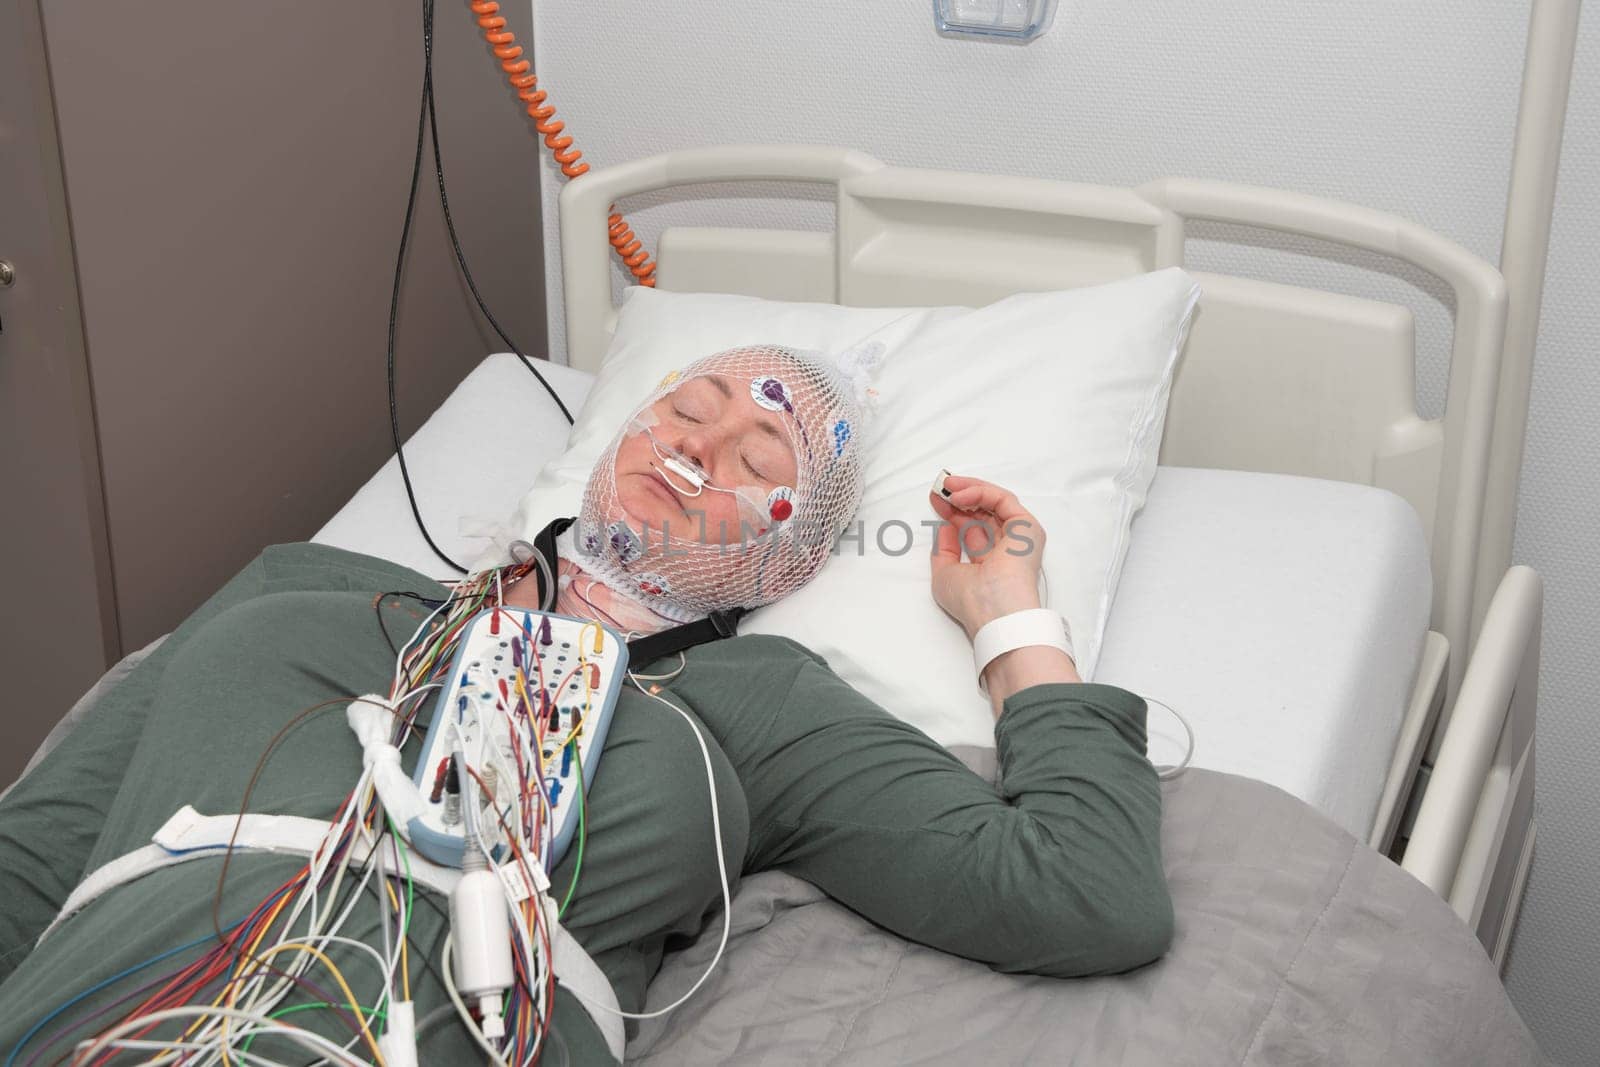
column 713, row 421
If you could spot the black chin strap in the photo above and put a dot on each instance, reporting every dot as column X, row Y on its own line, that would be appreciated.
column 713, row 627
column 642, row 650
column 545, row 544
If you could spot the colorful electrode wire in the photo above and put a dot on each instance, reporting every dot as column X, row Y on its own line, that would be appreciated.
column 216, row 1009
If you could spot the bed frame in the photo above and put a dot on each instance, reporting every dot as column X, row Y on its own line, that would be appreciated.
column 1457, row 809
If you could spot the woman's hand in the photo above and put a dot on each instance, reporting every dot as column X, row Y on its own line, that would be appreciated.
column 1004, row 544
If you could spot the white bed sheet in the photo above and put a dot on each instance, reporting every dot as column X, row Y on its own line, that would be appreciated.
column 1283, row 616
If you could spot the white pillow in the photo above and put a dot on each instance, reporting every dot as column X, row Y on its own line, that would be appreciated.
column 1060, row 397
column 658, row 332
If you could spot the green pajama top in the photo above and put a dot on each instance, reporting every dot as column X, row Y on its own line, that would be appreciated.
column 1054, row 869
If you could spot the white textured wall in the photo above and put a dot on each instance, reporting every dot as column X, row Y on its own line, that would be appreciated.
column 1404, row 105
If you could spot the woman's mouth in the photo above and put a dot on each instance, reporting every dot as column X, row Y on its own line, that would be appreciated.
column 663, row 489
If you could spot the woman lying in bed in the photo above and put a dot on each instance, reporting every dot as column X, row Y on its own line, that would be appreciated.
column 704, row 502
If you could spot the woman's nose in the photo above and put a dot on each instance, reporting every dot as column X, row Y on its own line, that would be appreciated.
column 696, row 445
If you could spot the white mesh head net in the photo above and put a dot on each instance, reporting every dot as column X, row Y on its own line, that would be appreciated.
column 728, row 486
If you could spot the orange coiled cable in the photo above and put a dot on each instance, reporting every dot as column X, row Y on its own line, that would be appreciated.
column 526, row 83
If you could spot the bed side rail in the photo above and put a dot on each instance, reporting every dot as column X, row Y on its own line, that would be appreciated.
column 585, row 205
column 1456, row 492
column 1475, row 784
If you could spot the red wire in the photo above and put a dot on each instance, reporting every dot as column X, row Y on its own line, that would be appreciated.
column 189, row 983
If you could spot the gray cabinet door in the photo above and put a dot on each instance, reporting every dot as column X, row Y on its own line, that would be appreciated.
column 58, row 631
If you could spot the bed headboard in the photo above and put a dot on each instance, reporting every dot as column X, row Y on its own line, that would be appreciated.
column 1274, row 377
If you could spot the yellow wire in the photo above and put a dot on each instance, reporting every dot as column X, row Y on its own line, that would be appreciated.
column 261, row 934
column 583, row 660
column 524, row 692
column 245, row 958
column 338, row 976
column 405, row 961
column 272, row 917
column 249, row 956
column 429, row 658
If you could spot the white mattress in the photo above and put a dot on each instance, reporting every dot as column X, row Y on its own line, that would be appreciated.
column 1283, row 616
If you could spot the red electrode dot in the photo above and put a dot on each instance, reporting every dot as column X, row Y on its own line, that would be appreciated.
column 782, row 509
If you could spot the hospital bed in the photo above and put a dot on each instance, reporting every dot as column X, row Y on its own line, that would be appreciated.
column 1369, row 649
column 1373, row 652
column 1324, row 587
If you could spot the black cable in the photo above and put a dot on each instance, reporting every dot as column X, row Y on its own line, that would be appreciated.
column 427, row 120
column 377, row 609
column 450, row 224
column 427, row 898
column 354, row 886
column 399, row 270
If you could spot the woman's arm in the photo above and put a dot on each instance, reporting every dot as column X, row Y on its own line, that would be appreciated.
column 1054, row 870
column 1024, row 668
column 1004, row 544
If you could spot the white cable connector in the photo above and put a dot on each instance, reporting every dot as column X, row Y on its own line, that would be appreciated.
column 372, row 720
column 494, row 1027
column 399, row 1042
column 482, row 932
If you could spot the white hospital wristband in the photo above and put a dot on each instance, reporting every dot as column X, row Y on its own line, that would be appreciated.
column 1020, row 629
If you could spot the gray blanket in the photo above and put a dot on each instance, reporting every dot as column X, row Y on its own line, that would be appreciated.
column 1295, row 944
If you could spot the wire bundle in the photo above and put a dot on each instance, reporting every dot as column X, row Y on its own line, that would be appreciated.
column 235, row 992
column 214, row 1009
column 516, row 824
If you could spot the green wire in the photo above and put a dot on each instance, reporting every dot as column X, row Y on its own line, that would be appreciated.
column 443, row 637
column 370, row 1013
column 411, row 890
column 577, row 867
column 411, row 900
column 411, row 885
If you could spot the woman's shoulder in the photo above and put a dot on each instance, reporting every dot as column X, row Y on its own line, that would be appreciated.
column 744, row 651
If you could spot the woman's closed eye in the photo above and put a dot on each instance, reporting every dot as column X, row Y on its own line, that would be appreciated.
column 753, row 467
column 766, row 457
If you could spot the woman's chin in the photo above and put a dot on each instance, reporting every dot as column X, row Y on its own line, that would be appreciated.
column 647, row 510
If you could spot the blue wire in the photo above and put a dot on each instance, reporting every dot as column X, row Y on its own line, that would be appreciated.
column 42, row 1023
column 16, row 1049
